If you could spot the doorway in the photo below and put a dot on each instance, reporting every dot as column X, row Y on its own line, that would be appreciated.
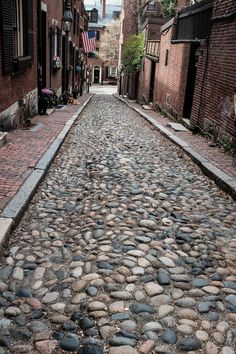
column 191, row 79
column 42, row 45
column 152, row 80
column 96, row 74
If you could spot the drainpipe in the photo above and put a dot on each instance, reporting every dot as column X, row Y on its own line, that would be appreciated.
column 103, row 8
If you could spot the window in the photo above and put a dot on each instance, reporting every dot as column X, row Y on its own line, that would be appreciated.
column 55, row 41
column 167, row 57
column 115, row 15
column 16, row 17
column 151, row 6
column 112, row 71
column 93, row 15
column 18, row 29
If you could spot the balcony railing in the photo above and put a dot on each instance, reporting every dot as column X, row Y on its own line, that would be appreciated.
column 153, row 49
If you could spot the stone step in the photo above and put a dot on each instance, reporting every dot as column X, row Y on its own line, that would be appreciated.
column 50, row 111
column 3, row 139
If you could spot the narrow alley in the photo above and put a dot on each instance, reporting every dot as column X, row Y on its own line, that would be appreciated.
column 126, row 248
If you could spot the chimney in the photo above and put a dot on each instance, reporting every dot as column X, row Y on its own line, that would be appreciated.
column 103, row 8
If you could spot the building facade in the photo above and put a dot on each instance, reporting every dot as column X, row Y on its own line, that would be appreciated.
column 195, row 68
column 196, row 71
column 18, row 61
column 147, row 21
column 37, row 53
column 101, row 14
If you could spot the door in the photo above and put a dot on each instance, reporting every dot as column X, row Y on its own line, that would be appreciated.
column 96, row 77
column 152, row 80
column 64, row 72
column 42, row 45
column 191, row 79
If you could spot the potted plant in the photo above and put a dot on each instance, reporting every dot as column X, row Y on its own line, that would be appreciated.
column 65, row 97
column 75, row 93
column 57, row 65
column 69, row 68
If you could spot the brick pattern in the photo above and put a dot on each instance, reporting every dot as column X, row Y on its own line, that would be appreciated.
column 54, row 12
column 170, row 80
column 16, row 86
column 25, row 147
column 223, row 7
column 213, row 108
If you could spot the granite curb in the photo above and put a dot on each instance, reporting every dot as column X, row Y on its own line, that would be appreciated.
column 222, row 180
column 12, row 213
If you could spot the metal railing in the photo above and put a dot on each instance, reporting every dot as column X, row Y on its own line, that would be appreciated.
column 153, row 49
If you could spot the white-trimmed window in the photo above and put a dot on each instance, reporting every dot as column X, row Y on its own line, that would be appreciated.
column 151, row 6
column 55, row 41
column 17, row 32
column 18, row 29
column 112, row 71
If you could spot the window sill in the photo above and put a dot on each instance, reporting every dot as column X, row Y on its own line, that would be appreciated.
column 21, row 63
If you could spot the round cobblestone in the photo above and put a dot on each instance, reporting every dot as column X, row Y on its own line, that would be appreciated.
column 126, row 247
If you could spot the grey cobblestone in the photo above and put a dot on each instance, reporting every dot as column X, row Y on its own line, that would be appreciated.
column 126, row 248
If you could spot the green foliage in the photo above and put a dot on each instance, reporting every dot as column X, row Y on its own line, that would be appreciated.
column 168, row 8
column 229, row 148
column 133, row 53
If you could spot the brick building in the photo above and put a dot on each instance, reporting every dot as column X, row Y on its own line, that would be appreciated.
column 148, row 21
column 33, row 49
column 18, row 60
column 101, row 14
column 214, row 103
column 53, row 43
column 195, row 70
column 152, row 33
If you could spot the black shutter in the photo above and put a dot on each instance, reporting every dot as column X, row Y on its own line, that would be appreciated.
column 30, row 29
column 58, row 43
column 7, row 34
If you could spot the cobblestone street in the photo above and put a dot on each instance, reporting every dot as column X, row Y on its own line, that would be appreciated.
column 126, row 248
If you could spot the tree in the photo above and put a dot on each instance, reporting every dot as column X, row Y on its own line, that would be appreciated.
column 109, row 48
column 168, row 8
column 133, row 53
column 139, row 8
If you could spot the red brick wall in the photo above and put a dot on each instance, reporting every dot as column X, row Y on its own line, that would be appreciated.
column 170, row 80
column 213, row 109
column 54, row 12
column 144, row 81
column 15, row 86
column 181, row 4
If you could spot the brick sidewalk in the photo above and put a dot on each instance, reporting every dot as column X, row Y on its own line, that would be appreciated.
column 217, row 157
column 25, row 147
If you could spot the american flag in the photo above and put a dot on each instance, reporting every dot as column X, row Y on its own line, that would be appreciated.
column 88, row 39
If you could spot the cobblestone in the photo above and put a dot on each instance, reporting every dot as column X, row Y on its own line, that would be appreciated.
column 126, row 248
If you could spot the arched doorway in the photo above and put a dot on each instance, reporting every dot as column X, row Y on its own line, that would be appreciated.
column 96, row 75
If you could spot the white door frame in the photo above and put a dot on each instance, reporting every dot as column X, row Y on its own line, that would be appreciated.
column 96, row 67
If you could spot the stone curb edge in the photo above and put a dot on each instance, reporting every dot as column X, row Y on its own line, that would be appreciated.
column 222, row 180
column 13, row 211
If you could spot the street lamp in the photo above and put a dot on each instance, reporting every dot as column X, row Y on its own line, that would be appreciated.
column 66, row 22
